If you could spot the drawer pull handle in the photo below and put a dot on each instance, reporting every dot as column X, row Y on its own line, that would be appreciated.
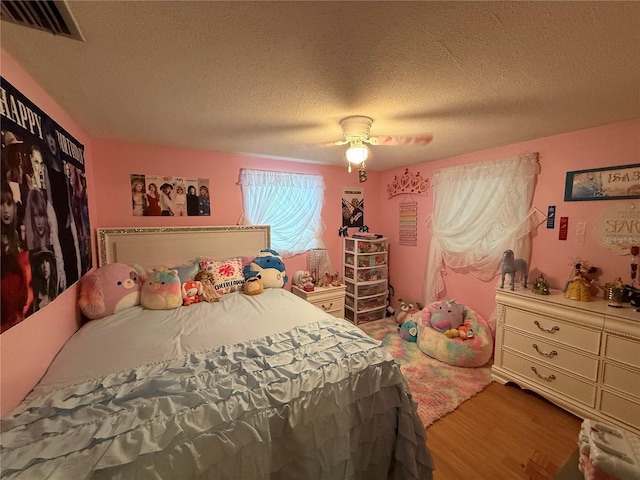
column 327, row 308
column 550, row 354
column 553, row 329
column 548, row 379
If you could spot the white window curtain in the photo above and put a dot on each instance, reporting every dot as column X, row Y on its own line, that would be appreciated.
column 290, row 202
column 479, row 211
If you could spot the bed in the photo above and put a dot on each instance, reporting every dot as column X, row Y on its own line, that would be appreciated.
column 250, row 387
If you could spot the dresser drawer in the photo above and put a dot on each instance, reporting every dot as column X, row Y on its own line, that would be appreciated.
column 622, row 349
column 329, row 299
column 556, row 330
column 550, row 378
column 334, row 306
column 552, row 354
column 624, row 379
column 620, row 408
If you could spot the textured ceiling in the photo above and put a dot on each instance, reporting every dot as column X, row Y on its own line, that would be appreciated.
column 275, row 78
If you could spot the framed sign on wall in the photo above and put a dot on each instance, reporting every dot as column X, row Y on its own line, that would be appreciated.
column 607, row 183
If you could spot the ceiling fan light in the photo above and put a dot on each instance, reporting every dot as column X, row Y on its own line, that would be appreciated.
column 357, row 154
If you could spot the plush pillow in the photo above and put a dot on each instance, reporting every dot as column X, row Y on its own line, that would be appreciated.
column 187, row 271
column 161, row 290
column 269, row 265
column 227, row 274
column 447, row 315
column 109, row 289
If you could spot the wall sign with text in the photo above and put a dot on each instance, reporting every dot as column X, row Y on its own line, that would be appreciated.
column 608, row 183
column 618, row 228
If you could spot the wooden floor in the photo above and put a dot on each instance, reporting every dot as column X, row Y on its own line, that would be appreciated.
column 503, row 433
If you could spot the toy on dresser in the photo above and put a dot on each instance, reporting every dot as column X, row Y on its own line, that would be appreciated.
column 513, row 266
column 580, row 287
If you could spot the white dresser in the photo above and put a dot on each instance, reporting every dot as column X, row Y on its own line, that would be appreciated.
column 330, row 299
column 583, row 356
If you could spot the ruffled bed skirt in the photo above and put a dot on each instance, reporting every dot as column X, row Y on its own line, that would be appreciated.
column 322, row 401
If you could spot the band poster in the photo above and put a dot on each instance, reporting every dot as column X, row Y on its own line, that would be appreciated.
column 153, row 195
column 352, row 207
column 46, row 243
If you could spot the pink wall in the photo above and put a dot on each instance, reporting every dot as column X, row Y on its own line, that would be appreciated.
column 27, row 349
column 114, row 162
column 617, row 144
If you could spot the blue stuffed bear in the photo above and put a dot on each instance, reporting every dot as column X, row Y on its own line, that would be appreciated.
column 271, row 268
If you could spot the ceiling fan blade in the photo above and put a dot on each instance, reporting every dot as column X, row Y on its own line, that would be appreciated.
column 328, row 144
column 421, row 140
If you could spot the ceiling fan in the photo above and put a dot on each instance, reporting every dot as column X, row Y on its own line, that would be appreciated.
column 356, row 130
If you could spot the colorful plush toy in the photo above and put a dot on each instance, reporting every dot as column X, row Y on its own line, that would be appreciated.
column 409, row 331
column 208, row 282
column 408, row 312
column 253, row 285
column 109, row 289
column 191, row 291
column 271, row 268
column 448, row 315
column 161, row 290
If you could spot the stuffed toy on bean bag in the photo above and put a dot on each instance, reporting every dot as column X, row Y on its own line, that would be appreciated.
column 468, row 345
column 109, row 289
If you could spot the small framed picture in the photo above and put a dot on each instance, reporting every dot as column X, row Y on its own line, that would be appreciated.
column 607, row 183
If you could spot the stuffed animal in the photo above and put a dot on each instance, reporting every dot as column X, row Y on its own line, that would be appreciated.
column 409, row 331
column 161, row 290
column 208, row 282
column 109, row 289
column 271, row 268
column 253, row 285
column 408, row 312
column 191, row 291
column 448, row 315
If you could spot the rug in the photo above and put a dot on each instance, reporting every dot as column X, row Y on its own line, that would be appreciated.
column 437, row 387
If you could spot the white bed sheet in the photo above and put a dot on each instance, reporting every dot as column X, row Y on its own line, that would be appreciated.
column 96, row 349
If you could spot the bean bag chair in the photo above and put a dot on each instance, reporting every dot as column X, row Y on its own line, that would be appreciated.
column 475, row 351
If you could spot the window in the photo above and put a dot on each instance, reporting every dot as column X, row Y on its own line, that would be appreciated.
column 291, row 203
column 480, row 210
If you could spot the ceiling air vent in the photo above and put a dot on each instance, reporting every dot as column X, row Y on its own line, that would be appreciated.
column 49, row 16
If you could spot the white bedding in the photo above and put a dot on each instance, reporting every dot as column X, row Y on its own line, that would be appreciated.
column 183, row 394
column 96, row 349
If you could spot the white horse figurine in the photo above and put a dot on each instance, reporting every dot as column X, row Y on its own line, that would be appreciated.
column 511, row 266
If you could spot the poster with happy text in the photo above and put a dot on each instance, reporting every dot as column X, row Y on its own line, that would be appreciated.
column 46, row 243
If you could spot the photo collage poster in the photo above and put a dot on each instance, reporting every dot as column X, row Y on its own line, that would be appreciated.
column 46, row 237
column 352, row 207
column 155, row 196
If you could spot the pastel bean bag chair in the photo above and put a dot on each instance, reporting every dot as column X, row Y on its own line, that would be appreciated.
column 469, row 352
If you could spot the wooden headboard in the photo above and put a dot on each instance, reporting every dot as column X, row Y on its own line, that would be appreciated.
column 149, row 247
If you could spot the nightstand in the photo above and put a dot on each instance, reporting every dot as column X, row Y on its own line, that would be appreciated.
column 329, row 299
